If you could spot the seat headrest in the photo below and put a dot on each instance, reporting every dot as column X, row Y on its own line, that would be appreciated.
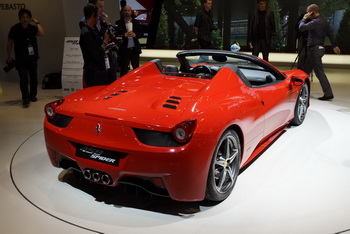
column 171, row 68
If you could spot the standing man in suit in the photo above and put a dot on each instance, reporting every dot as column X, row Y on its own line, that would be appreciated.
column 261, row 29
column 130, row 49
column 204, row 25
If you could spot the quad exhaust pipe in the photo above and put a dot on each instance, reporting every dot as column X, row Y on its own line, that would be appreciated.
column 98, row 177
column 105, row 179
column 87, row 174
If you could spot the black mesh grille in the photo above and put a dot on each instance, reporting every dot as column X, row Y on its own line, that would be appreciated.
column 60, row 121
column 68, row 164
column 155, row 138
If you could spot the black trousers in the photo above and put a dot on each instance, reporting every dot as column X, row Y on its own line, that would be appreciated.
column 314, row 62
column 127, row 56
column 260, row 45
column 204, row 44
column 28, row 75
column 112, row 71
column 95, row 77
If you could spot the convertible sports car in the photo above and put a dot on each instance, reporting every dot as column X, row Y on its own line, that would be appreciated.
column 180, row 130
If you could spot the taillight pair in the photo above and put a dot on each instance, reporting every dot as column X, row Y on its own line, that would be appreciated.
column 182, row 132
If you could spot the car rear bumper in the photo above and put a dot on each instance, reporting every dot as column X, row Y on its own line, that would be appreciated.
column 183, row 170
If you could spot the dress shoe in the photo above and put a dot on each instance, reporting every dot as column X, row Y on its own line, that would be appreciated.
column 33, row 99
column 26, row 102
column 326, row 98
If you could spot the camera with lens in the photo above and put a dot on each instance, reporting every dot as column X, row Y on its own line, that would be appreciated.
column 112, row 32
column 10, row 66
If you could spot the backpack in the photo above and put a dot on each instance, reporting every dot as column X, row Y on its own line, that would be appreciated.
column 52, row 81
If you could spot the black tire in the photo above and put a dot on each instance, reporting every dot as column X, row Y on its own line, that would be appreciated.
column 301, row 106
column 224, row 167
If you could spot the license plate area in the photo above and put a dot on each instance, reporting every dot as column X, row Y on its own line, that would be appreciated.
column 98, row 155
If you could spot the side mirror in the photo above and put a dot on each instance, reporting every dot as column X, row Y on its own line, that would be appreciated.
column 296, row 81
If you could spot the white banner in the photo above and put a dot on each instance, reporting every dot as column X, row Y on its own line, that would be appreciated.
column 72, row 66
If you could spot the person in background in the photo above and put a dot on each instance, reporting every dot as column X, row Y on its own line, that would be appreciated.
column 204, row 25
column 100, row 28
column 261, row 30
column 23, row 37
column 301, row 39
column 318, row 28
column 93, row 49
column 102, row 16
column 129, row 49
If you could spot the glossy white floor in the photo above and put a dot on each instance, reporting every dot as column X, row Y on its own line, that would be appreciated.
column 301, row 184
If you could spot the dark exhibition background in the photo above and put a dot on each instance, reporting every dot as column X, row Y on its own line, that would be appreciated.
column 168, row 24
column 231, row 17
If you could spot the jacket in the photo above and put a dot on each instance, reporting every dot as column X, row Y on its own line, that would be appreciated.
column 121, row 30
column 270, row 26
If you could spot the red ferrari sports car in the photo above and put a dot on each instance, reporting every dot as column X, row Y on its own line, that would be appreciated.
column 185, row 130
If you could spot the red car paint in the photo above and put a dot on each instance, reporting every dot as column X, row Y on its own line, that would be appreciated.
column 150, row 100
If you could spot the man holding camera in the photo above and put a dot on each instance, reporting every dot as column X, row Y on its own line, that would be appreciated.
column 318, row 29
column 23, row 37
column 93, row 49
column 100, row 28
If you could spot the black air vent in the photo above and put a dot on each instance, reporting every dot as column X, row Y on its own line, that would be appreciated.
column 115, row 94
column 169, row 106
column 172, row 102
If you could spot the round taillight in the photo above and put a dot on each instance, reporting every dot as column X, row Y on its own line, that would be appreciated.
column 183, row 131
column 51, row 107
column 49, row 111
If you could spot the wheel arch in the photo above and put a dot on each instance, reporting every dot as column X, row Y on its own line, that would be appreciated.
column 211, row 192
column 308, row 83
column 238, row 130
